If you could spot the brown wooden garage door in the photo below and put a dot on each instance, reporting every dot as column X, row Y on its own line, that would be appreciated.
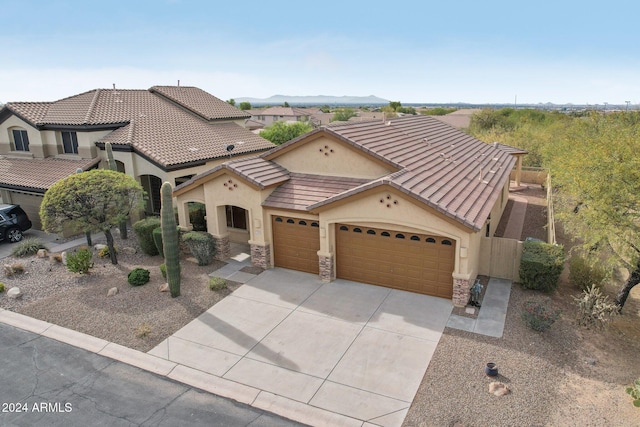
column 413, row 262
column 296, row 243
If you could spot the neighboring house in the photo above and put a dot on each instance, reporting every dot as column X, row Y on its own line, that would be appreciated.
column 270, row 115
column 166, row 133
column 460, row 119
column 403, row 203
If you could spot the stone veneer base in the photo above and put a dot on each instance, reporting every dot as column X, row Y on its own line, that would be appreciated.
column 261, row 255
column 460, row 292
column 223, row 248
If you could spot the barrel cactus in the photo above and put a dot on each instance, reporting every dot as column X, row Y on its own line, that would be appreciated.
column 170, row 240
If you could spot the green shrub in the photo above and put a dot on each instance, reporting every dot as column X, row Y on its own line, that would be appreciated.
column 197, row 213
column 157, row 240
column 538, row 316
column 594, row 308
column 163, row 270
column 541, row 266
column 583, row 273
column 2, row 286
column 217, row 283
column 138, row 277
column 634, row 391
column 202, row 246
column 80, row 261
column 104, row 252
column 144, row 230
column 28, row 247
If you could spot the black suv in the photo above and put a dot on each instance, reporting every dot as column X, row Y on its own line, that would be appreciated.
column 13, row 221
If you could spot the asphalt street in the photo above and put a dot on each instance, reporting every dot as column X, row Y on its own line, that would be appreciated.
column 44, row 382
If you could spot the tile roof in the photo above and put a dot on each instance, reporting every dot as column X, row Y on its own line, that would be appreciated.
column 200, row 102
column 172, row 126
column 38, row 174
column 255, row 170
column 452, row 172
column 303, row 190
column 284, row 111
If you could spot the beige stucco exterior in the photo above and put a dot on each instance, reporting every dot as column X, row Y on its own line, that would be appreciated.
column 405, row 214
column 328, row 156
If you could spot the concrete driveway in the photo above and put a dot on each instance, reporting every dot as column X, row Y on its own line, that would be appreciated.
column 339, row 353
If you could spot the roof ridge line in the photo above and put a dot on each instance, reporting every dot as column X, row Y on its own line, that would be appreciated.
column 92, row 106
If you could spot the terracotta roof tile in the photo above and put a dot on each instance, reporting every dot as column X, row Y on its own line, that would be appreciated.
column 160, row 129
column 444, row 168
column 200, row 102
column 259, row 171
column 303, row 190
column 38, row 174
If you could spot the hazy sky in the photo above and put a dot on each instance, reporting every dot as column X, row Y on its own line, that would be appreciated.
column 409, row 51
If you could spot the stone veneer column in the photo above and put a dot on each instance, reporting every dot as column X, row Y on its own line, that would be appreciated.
column 261, row 255
column 326, row 268
column 223, row 247
column 460, row 292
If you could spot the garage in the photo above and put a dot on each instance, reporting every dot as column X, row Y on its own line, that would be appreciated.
column 408, row 261
column 30, row 203
column 296, row 243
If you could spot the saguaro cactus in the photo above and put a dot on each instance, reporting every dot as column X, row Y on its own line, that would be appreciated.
column 170, row 240
column 114, row 167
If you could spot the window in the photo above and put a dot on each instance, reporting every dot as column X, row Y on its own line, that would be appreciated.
column 20, row 140
column 371, row 232
column 385, row 234
column 69, row 142
column 399, row 236
column 290, row 221
column 237, row 217
column 278, row 219
column 447, row 242
column 343, row 228
column 357, row 230
column 430, row 240
column 315, row 224
column 415, row 238
column 302, row 222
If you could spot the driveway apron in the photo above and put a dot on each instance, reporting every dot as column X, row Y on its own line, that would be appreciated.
column 311, row 351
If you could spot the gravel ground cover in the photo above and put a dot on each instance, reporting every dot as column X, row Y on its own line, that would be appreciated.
column 138, row 317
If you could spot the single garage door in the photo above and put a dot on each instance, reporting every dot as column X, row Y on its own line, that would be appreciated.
column 30, row 203
column 413, row 262
column 296, row 243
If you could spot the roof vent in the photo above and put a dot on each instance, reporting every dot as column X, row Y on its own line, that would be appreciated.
column 495, row 145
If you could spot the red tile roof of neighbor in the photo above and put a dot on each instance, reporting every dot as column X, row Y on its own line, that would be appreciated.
column 39, row 174
column 438, row 165
column 173, row 126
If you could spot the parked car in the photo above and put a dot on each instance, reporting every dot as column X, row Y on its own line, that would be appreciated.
column 13, row 222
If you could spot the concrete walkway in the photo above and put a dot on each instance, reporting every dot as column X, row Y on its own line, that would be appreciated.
column 493, row 312
column 516, row 217
column 53, row 242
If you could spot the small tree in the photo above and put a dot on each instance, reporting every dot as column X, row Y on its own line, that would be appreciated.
column 281, row 132
column 96, row 200
column 245, row 106
column 231, row 102
column 343, row 114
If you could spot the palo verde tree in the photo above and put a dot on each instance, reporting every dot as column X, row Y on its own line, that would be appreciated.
column 96, row 200
column 343, row 114
column 596, row 169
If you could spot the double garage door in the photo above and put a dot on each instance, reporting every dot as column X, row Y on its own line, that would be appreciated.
column 408, row 261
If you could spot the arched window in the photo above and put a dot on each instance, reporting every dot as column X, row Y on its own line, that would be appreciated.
column 344, row 228
column 399, row 236
column 357, row 230
column 371, row 232
column 302, row 222
column 415, row 238
column 385, row 234
column 430, row 240
column 278, row 219
column 446, row 242
column 315, row 224
column 290, row 221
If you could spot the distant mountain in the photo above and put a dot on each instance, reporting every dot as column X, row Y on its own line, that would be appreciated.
column 315, row 100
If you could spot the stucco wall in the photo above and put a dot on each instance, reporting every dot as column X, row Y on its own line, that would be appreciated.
column 326, row 156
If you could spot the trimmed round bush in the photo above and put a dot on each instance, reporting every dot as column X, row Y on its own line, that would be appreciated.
column 202, row 246
column 217, row 283
column 138, row 276
column 144, row 230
